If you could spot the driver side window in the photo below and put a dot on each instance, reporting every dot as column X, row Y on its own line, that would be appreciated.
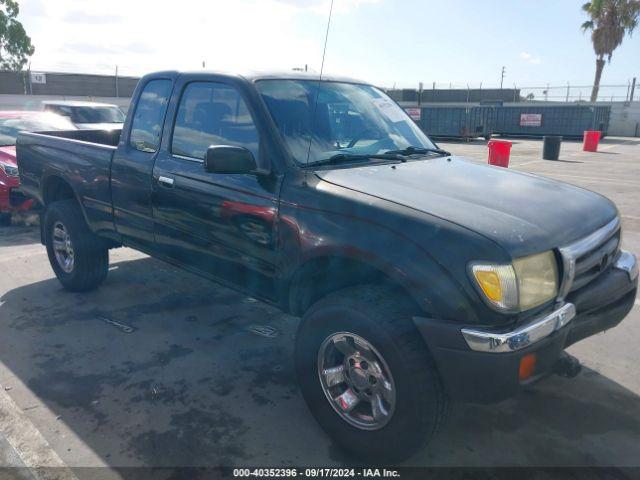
column 212, row 114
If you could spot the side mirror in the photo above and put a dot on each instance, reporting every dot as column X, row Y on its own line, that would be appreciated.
column 229, row 159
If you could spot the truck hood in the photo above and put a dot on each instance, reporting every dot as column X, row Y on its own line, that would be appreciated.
column 521, row 212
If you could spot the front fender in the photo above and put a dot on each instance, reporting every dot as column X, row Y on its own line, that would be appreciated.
column 425, row 256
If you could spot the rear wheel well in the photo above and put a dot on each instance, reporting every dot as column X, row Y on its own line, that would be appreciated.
column 56, row 189
column 322, row 276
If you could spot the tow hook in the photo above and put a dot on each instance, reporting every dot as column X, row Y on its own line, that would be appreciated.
column 567, row 366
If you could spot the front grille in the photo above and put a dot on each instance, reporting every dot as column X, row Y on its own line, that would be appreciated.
column 586, row 259
column 596, row 261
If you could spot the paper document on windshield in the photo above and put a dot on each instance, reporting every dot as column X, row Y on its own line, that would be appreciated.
column 389, row 109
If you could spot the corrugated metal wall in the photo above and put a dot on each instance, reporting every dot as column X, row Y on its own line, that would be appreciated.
column 68, row 84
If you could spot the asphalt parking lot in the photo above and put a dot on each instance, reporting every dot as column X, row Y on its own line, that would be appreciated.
column 161, row 368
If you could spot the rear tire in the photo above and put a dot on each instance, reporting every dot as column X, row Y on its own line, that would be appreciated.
column 384, row 321
column 79, row 258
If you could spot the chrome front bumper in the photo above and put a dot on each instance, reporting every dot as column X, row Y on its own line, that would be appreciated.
column 628, row 262
column 500, row 342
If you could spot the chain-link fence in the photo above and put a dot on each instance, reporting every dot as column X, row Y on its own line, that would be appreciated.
column 478, row 93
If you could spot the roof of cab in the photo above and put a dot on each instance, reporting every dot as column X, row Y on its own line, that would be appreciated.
column 254, row 75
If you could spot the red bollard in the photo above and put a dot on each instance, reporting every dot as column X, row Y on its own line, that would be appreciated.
column 499, row 151
column 591, row 139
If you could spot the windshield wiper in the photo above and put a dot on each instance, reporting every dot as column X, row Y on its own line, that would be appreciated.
column 347, row 157
column 417, row 151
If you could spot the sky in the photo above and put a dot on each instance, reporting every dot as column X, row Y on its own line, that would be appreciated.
column 386, row 42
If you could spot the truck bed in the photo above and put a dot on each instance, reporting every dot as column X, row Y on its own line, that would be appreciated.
column 80, row 157
column 100, row 137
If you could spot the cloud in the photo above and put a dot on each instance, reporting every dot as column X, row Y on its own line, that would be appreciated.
column 236, row 35
column 530, row 58
column 32, row 8
column 78, row 16
column 85, row 48
column 321, row 7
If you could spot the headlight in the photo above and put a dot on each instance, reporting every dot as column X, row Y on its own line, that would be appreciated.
column 10, row 170
column 528, row 282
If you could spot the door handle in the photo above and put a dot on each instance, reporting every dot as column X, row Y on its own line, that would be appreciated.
column 165, row 181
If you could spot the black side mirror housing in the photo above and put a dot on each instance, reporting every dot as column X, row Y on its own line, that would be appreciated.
column 229, row 159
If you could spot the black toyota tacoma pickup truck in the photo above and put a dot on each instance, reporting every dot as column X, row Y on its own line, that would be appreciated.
column 420, row 278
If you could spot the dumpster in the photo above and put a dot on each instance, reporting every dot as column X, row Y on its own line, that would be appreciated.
column 591, row 140
column 568, row 121
column 499, row 151
column 457, row 122
column 551, row 147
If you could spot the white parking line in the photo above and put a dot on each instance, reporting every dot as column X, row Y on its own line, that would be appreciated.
column 27, row 441
column 528, row 163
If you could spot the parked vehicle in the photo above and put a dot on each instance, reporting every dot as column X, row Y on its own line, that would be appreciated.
column 420, row 278
column 11, row 198
column 87, row 115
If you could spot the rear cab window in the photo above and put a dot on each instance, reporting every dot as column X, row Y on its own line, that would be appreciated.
column 146, row 128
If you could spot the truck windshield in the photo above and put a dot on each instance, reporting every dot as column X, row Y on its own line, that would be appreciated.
column 350, row 119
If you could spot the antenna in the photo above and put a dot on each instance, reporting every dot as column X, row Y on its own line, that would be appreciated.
column 326, row 38
column 315, row 105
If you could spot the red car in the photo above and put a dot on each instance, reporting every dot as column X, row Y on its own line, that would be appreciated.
column 11, row 199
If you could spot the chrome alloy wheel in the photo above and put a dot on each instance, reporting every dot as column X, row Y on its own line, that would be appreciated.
column 62, row 247
column 356, row 381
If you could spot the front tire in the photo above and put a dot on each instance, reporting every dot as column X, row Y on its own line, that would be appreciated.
column 79, row 258
column 367, row 375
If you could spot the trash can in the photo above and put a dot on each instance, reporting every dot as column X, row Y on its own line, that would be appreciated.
column 551, row 147
column 499, row 151
column 591, row 139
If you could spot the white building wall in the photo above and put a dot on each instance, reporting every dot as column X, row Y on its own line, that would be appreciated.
column 625, row 119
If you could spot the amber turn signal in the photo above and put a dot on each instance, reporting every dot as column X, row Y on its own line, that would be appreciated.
column 527, row 366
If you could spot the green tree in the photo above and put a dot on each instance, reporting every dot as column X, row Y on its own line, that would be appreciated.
column 610, row 21
column 15, row 44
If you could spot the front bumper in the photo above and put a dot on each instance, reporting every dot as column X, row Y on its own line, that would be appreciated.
column 482, row 365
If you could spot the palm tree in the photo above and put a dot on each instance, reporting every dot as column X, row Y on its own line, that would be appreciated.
column 610, row 21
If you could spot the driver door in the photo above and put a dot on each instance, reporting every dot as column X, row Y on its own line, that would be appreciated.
column 220, row 224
